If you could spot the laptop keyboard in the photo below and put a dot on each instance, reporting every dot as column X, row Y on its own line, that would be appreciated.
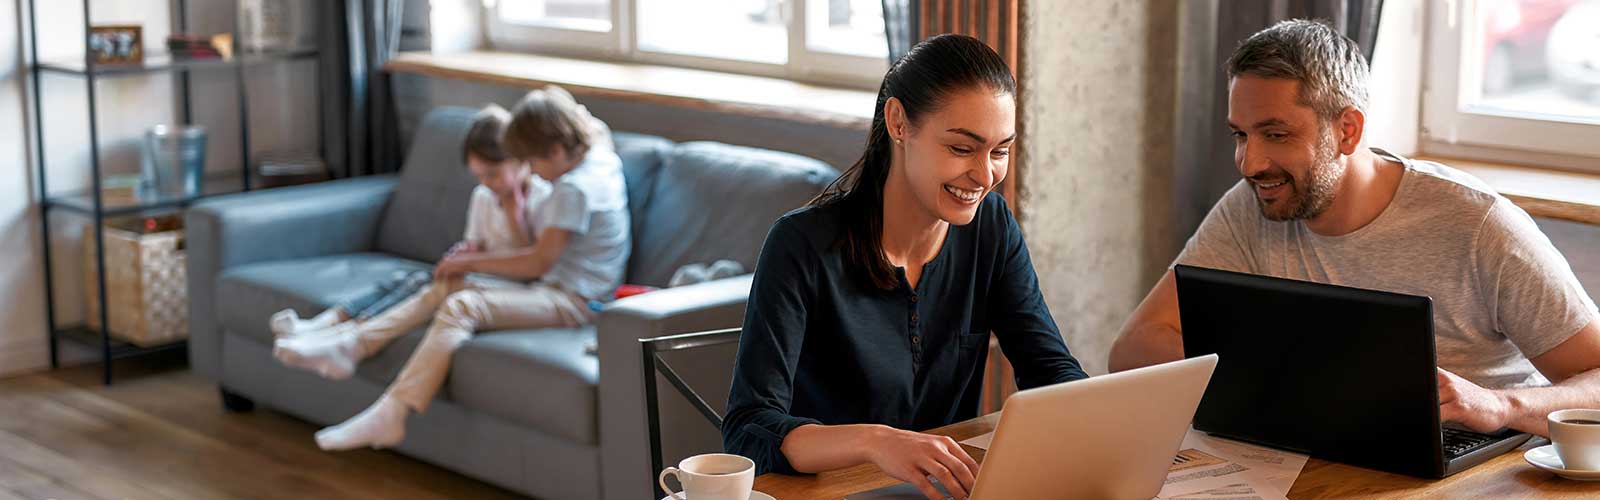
column 1458, row 442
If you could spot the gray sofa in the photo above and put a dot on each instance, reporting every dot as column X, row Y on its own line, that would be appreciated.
column 526, row 410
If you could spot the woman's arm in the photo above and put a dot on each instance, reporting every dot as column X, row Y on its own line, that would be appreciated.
column 912, row 457
column 1021, row 320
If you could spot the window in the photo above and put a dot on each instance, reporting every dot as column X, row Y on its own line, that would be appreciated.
column 835, row 42
column 585, row 15
column 1514, row 77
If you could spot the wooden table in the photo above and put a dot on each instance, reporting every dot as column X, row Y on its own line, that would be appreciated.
column 1505, row 477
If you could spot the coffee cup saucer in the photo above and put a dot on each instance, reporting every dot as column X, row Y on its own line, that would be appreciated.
column 754, row 495
column 1545, row 457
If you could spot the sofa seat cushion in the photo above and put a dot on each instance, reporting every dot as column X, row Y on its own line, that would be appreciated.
column 542, row 379
column 248, row 295
column 539, row 378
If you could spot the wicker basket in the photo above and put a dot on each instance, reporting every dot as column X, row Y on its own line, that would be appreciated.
column 145, row 280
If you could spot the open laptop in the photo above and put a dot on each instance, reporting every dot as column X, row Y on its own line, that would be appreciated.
column 1343, row 374
column 1107, row 437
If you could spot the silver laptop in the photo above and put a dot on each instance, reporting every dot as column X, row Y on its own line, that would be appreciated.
column 1107, row 437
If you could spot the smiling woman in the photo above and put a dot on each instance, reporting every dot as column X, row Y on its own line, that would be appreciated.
column 870, row 311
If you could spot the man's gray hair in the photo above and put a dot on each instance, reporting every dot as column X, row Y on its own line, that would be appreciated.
column 1329, row 66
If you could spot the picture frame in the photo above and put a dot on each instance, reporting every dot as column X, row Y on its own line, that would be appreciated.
column 117, row 44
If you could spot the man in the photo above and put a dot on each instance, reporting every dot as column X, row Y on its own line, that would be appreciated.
column 1315, row 204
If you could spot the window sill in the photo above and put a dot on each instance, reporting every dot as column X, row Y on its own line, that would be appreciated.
column 1541, row 192
column 691, row 88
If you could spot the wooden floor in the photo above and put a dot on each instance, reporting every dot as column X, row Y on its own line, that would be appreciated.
column 160, row 433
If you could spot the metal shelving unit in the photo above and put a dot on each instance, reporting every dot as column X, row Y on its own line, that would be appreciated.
column 90, row 203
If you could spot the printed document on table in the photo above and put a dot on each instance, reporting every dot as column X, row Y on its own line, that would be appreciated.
column 980, row 442
column 1212, row 467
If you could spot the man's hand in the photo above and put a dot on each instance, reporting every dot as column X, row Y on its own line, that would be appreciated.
column 1466, row 403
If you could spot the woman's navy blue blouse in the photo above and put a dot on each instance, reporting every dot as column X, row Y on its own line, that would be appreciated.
column 821, row 345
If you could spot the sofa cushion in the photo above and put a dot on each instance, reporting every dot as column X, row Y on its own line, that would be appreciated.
column 536, row 378
column 428, row 211
column 247, row 295
column 539, row 378
column 642, row 156
column 716, row 201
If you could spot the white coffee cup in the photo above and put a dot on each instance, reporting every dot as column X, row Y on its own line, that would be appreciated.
column 713, row 476
column 1578, row 444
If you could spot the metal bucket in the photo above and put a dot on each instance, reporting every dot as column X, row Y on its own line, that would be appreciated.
column 174, row 160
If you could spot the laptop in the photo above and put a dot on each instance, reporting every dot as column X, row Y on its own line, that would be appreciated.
column 1107, row 437
column 1339, row 373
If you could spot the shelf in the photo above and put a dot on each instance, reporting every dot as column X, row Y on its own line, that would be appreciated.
column 82, row 202
column 157, row 62
column 119, row 349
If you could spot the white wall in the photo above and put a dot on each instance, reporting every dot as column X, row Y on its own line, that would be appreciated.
column 1098, row 143
column 21, row 296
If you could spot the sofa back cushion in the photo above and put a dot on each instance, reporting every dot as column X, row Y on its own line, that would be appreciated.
column 428, row 211
column 715, row 201
column 642, row 156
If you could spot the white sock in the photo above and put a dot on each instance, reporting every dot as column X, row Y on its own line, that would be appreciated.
column 333, row 354
column 381, row 425
column 287, row 323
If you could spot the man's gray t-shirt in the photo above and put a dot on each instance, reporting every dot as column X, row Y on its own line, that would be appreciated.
column 1501, row 292
column 591, row 202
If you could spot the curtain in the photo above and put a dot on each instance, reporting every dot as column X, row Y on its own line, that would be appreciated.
column 1205, row 154
column 907, row 22
column 363, row 137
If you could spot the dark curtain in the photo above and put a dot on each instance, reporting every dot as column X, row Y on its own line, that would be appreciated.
column 1205, row 170
column 907, row 22
column 901, row 24
column 363, row 136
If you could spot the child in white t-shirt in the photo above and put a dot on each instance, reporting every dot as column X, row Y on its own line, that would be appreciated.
column 551, row 209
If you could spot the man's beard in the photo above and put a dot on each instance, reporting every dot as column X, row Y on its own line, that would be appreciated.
column 1316, row 195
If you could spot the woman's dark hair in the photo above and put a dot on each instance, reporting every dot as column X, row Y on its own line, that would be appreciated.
column 921, row 80
column 485, row 137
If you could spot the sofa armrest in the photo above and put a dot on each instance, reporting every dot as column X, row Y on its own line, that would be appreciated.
column 624, row 438
column 233, row 230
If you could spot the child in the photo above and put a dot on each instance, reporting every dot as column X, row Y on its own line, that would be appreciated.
column 572, row 244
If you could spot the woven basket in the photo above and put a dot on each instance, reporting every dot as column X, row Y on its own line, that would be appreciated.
column 146, row 282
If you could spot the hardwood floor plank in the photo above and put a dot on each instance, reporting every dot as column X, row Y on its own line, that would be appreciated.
column 161, row 433
column 99, row 481
column 27, row 483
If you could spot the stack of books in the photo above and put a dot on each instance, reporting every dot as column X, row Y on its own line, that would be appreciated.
column 184, row 46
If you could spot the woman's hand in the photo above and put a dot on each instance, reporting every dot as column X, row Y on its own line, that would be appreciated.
column 913, row 457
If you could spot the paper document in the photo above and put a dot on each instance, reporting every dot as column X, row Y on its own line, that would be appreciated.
column 980, row 442
column 1209, row 467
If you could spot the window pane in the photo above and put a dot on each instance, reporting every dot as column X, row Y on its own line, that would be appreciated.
column 1538, row 57
column 745, row 30
column 851, row 27
column 591, row 15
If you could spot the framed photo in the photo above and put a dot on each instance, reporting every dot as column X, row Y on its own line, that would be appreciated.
column 117, row 44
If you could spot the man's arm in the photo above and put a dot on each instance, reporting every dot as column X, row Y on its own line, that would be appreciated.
column 1574, row 368
column 1153, row 334
column 523, row 263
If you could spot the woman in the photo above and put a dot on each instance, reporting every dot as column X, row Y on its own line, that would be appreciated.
column 871, row 308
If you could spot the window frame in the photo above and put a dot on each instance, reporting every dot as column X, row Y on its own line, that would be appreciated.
column 1452, row 126
column 621, row 43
